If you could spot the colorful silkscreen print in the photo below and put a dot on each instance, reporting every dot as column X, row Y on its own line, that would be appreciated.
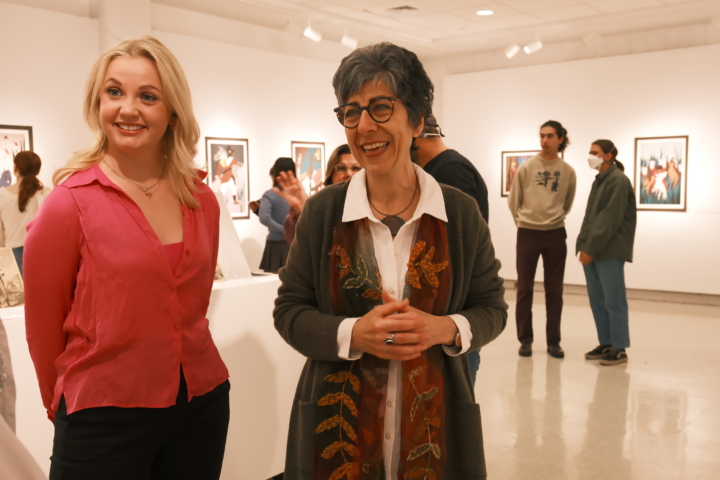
column 511, row 161
column 12, row 290
column 229, row 172
column 309, row 164
column 661, row 173
column 13, row 139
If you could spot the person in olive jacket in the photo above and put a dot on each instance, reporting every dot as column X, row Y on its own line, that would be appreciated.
column 605, row 243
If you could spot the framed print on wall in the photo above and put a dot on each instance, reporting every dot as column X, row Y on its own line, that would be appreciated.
column 309, row 160
column 511, row 161
column 229, row 173
column 13, row 139
column 660, row 179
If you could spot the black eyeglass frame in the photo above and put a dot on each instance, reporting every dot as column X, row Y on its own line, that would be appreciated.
column 367, row 108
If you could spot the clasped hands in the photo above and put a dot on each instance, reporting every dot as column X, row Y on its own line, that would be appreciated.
column 415, row 331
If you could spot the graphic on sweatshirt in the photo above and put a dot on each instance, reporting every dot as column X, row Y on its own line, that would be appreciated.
column 543, row 178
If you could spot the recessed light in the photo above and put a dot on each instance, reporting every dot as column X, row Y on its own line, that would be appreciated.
column 484, row 13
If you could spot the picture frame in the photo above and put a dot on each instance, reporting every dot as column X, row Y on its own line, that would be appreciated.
column 13, row 139
column 228, row 167
column 509, row 165
column 12, row 288
column 309, row 158
column 660, row 174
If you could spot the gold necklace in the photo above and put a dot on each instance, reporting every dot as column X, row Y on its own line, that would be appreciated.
column 147, row 191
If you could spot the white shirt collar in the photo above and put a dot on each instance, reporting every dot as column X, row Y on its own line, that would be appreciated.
column 431, row 202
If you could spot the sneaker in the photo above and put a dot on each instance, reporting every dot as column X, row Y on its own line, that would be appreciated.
column 525, row 349
column 598, row 352
column 555, row 350
column 615, row 357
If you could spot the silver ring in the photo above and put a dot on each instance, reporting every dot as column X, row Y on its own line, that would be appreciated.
column 390, row 339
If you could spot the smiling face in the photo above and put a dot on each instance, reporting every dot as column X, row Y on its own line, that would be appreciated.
column 133, row 110
column 351, row 168
column 381, row 148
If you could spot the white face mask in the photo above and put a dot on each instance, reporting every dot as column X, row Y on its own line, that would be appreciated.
column 595, row 162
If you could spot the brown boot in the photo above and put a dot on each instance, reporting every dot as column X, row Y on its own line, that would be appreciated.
column 525, row 349
column 555, row 350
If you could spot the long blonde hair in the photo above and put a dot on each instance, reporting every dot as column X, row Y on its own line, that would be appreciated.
column 179, row 142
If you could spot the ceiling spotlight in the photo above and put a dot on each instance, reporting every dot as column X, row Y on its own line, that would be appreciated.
column 313, row 35
column 349, row 41
column 512, row 50
column 591, row 39
column 533, row 47
column 484, row 13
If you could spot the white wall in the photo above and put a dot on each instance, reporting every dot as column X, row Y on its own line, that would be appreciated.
column 45, row 59
column 672, row 92
column 269, row 98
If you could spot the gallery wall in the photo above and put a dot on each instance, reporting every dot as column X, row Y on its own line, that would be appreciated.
column 665, row 93
column 268, row 98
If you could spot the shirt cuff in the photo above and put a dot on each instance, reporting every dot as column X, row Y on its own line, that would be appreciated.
column 465, row 334
column 344, row 337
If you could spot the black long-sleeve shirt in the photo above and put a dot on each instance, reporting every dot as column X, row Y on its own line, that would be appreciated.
column 453, row 169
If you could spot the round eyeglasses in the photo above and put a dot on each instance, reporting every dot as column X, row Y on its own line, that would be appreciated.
column 380, row 110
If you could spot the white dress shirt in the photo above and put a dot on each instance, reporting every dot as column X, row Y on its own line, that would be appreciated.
column 392, row 258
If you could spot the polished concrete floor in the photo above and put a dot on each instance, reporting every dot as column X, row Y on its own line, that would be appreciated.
column 656, row 417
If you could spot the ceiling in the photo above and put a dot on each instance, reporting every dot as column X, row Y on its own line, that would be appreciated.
column 435, row 28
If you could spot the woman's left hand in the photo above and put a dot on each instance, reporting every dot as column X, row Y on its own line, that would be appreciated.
column 441, row 330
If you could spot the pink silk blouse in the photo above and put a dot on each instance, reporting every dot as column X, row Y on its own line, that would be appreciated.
column 108, row 322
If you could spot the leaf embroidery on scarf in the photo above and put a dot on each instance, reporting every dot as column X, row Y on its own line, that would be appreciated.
column 343, row 445
column 362, row 275
column 375, row 293
column 423, row 473
column 428, row 420
column 425, row 269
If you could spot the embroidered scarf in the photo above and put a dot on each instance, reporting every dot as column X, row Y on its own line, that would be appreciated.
column 348, row 442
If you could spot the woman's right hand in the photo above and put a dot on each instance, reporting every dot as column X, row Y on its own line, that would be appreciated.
column 372, row 329
column 291, row 190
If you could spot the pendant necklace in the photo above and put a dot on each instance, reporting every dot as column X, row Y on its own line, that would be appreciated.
column 392, row 221
column 147, row 191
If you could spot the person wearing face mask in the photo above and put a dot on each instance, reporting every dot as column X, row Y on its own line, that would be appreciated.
column 605, row 243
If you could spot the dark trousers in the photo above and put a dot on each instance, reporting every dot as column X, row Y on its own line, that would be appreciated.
column 551, row 245
column 185, row 441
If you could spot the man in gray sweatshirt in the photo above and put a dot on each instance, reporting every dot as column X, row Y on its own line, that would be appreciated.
column 541, row 196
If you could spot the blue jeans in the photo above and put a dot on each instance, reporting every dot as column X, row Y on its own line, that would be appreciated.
column 608, row 301
column 474, row 364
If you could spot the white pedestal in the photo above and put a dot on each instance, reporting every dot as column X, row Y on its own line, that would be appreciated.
column 264, row 372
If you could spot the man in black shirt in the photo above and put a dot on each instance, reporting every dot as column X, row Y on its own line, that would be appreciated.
column 449, row 167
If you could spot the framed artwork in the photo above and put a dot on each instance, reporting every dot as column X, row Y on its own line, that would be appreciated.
column 229, row 173
column 660, row 179
column 309, row 164
column 511, row 161
column 13, row 139
column 12, row 290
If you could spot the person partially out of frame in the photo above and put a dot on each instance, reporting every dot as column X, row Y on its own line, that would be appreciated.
column 391, row 280
column 119, row 266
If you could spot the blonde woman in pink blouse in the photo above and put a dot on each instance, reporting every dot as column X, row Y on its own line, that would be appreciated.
column 119, row 266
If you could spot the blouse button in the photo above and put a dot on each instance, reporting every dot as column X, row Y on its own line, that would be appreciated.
column 387, row 436
column 391, row 291
column 389, row 404
column 187, row 253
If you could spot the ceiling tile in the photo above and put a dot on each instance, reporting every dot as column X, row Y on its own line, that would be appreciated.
column 567, row 13
column 609, row 6
column 532, row 6
column 440, row 21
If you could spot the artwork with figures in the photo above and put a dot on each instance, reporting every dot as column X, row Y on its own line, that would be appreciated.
column 13, row 139
column 12, row 290
column 661, row 165
column 310, row 164
column 511, row 161
column 228, row 172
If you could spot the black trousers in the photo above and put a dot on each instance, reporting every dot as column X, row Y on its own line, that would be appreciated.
column 185, row 441
column 552, row 246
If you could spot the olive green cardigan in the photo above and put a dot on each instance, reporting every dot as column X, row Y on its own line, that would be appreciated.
column 304, row 317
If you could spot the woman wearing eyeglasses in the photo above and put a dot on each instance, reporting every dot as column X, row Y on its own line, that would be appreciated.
column 389, row 282
column 341, row 166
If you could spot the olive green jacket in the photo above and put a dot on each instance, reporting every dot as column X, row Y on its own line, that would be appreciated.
column 304, row 318
column 608, row 229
